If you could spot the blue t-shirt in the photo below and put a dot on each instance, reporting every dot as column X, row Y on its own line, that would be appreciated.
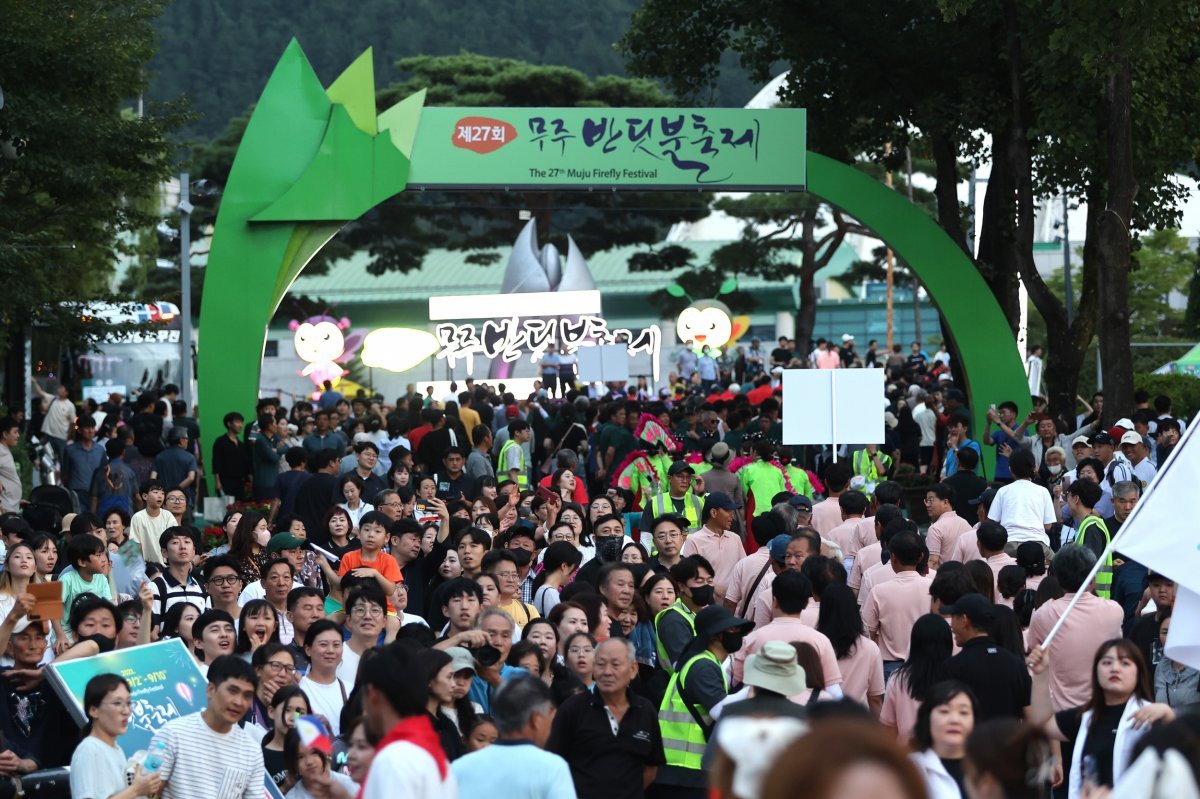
column 481, row 690
column 997, row 438
column 525, row 770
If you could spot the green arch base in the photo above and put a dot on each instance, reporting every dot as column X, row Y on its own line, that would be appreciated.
column 313, row 159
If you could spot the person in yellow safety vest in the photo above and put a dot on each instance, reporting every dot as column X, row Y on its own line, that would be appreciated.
column 678, row 498
column 872, row 464
column 675, row 625
column 1082, row 497
column 684, row 716
column 511, row 460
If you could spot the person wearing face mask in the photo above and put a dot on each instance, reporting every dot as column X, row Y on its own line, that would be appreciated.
column 675, row 626
column 700, row 684
column 608, row 536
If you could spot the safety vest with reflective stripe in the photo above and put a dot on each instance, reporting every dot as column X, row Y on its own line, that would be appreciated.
column 683, row 739
column 864, row 464
column 661, row 503
column 664, row 659
column 502, row 463
column 1104, row 577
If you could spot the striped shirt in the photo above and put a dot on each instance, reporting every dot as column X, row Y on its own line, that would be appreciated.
column 200, row 763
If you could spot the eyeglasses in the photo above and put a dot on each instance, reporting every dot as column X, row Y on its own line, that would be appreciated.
column 577, row 650
column 226, row 580
column 370, row 612
column 669, row 535
column 395, row 504
column 279, row 668
column 119, row 704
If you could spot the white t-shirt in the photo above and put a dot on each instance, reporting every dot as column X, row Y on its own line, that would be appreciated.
column 200, row 763
column 405, row 769
column 97, row 769
column 59, row 417
column 1023, row 508
column 327, row 700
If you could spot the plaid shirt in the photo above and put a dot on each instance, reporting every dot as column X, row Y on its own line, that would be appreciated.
column 527, row 588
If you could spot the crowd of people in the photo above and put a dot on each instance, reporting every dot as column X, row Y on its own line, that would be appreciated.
column 602, row 591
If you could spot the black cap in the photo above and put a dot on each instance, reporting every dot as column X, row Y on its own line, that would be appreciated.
column 716, row 619
column 801, row 501
column 721, row 500
column 955, row 394
column 975, row 607
column 1104, row 438
column 985, row 498
column 679, row 467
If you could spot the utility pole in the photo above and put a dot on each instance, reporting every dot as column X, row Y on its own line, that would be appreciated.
column 185, row 276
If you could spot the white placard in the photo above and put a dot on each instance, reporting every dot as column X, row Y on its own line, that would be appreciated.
column 833, row 406
column 605, row 362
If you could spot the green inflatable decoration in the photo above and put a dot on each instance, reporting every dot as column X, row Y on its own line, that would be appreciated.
column 313, row 159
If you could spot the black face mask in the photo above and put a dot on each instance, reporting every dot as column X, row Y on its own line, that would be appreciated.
column 521, row 556
column 105, row 643
column 703, row 595
column 732, row 641
column 609, row 549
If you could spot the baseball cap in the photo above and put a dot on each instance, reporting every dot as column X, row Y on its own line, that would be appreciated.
column 1081, row 441
column 984, row 498
column 1105, row 438
column 361, row 437
column 1131, row 437
column 716, row 619
column 777, row 547
column 1124, row 423
column 512, row 412
column 720, row 500
column 974, row 606
column 460, row 659
column 282, row 541
column 1116, row 432
column 775, row 668
column 679, row 467
column 847, row 337
column 801, row 501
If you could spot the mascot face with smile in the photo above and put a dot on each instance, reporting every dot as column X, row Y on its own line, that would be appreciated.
column 706, row 323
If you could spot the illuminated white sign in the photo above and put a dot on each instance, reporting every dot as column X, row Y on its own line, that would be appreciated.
column 510, row 338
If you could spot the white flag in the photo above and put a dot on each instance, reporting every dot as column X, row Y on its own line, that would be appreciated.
column 1160, row 534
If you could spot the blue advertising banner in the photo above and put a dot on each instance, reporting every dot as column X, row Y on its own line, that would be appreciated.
column 164, row 679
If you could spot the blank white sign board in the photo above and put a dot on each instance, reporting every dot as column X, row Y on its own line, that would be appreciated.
column 605, row 362
column 833, row 406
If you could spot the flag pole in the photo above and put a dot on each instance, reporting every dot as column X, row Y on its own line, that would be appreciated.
column 1112, row 544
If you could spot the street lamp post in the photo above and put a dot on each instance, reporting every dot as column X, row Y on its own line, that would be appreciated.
column 185, row 276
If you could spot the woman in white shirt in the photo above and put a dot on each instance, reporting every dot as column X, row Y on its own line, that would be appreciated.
column 98, row 765
column 944, row 721
column 352, row 488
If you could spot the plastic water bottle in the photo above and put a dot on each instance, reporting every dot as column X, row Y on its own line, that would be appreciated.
column 154, row 758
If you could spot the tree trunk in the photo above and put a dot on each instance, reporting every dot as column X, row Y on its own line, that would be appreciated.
column 1113, row 250
column 806, row 314
column 945, row 156
column 996, row 231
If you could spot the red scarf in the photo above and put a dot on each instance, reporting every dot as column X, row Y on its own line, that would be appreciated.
column 416, row 730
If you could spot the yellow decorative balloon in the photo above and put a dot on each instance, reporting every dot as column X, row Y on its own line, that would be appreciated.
column 397, row 349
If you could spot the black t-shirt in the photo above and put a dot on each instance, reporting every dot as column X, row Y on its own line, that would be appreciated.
column 954, row 767
column 274, row 763
column 998, row 677
column 781, row 356
column 1144, row 633
column 604, row 766
column 1101, row 738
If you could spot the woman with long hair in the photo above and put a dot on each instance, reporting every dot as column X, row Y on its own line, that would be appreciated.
column 351, row 489
column 1106, row 729
column 580, row 652
column 20, row 569
column 659, row 592
column 563, row 483
column 928, row 651
column 229, row 525
column 568, row 618
column 177, row 623
column 559, row 563
column 288, row 702
column 249, row 546
column 858, row 657
column 944, row 721
column 437, row 670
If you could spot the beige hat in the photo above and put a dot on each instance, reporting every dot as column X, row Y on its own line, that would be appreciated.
column 461, row 659
column 66, row 522
column 1081, row 440
column 719, row 453
column 1131, row 437
column 774, row 667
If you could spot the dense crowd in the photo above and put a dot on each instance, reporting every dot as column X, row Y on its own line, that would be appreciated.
column 599, row 591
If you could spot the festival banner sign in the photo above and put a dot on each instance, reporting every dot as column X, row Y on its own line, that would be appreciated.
column 727, row 149
column 165, row 681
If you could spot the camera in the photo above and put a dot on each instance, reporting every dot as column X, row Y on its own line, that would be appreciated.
column 486, row 655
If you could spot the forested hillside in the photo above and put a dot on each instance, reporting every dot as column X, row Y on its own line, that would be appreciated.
column 220, row 51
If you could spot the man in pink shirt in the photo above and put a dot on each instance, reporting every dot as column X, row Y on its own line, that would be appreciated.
column 872, row 554
column 947, row 524
column 992, row 537
column 1091, row 623
column 881, row 572
column 853, row 506
column 722, row 548
column 790, row 594
column 827, row 514
column 894, row 606
column 788, row 553
column 751, row 570
column 966, row 547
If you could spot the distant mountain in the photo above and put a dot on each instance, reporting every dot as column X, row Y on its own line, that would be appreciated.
column 220, row 52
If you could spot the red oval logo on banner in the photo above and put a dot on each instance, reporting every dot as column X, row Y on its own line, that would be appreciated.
column 481, row 134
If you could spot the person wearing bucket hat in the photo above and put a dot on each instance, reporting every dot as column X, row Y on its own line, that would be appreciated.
column 685, row 719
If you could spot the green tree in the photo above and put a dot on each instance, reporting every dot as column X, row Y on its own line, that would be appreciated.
column 76, row 172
